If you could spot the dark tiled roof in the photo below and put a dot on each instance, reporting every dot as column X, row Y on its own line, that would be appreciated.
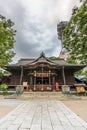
column 22, row 62
column 43, row 59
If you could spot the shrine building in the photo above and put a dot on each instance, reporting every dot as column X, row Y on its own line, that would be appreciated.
column 42, row 73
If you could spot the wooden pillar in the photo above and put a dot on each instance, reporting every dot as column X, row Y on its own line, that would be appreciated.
column 53, row 82
column 35, row 80
column 49, row 78
column 21, row 76
column 42, row 79
column 34, row 83
column 31, row 82
column 64, row 81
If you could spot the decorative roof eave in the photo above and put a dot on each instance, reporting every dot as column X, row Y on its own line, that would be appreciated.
column 41, row 64
column 14, row 67
column 75, row 67
column 45, row 60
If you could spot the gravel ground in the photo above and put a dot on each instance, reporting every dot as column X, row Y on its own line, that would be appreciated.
column 7, row 105
column 4, row 110
column 79, row 107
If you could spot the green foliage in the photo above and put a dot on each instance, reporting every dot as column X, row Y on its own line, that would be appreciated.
column 4, row 87
column 1, row 76
column 72, row 61
column 82, row 73
column 76, row 33
column 7, row 34
column 85, row 75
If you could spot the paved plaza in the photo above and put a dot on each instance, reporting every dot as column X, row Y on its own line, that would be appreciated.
column 41, row 114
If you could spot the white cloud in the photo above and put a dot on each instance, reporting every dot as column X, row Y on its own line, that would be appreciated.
column 36, row 23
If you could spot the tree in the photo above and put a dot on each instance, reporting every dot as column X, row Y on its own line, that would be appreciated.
column 7, row 40
column 70, row 60
column 76, row 33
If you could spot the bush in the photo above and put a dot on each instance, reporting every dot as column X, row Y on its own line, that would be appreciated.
column 4, row 89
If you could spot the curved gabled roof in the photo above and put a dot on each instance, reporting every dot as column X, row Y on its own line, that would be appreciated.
column 43, row 59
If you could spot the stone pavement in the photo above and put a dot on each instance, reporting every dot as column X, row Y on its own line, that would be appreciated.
column 42, row 114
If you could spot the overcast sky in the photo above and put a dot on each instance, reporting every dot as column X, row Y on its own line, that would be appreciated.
column 36, row 24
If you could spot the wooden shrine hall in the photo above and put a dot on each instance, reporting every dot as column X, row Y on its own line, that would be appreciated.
column 42, row 73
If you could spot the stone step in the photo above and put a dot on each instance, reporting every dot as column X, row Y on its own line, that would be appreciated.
column 47, row 95
column 43, row 95
column 40, row 95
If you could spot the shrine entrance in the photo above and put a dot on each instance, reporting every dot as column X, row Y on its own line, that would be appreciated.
column 43, row 79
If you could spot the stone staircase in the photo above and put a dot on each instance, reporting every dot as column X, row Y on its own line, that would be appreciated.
column 43, row 95
column 47, row 95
